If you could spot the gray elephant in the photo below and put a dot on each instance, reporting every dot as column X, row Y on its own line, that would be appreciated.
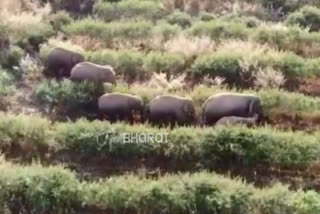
column 60, row 62
column 230, row 104
column 120, row 107
column 170, row 110
column 93, row 72
column 234, row 120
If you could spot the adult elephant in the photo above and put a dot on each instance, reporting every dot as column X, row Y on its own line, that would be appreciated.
column 120, row 107
column 60, row 62
column 230, row 104
column 170, row 110
column 93, row 72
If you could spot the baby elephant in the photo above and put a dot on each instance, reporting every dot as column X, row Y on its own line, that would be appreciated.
column 120, row 107
column 93, row 72
column 234, row 120
column 170, row 110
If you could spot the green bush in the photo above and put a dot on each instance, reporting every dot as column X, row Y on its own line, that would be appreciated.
column 180, row 18
column 37, row 31
column 128, row 9
column 166, row 30
column 306, row 17
column 59, row 20
column 6, row 83
column 29, row 134
column 171, row 64
column 128, row 30
column 219, row 29
column 286, row 38
column 221, row 64
column 12, row 60
column 36, row 189
column 67, row 96
column 206, row 17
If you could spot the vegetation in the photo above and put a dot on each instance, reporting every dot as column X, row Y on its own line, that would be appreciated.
column 190, row 48
column 61, row 192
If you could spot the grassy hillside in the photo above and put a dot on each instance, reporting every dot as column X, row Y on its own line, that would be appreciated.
column 190, row 48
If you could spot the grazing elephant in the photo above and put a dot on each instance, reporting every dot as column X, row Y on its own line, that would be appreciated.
column 93, row 72
column 120, row 107
column 234, row 120
column 170, row 110
column 230, row 104
column 60, row 63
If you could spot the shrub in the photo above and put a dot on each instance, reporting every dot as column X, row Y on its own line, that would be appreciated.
column 172, row 64
column 165, row 30
column 59, row 19
column 219, row 64
column 6, row 83
column 307, row 16
column 67, row 96
column 218, row 29
column 180, row 18
column 128, row 30
column 128, row 9
column 206, row 17
column 12, row 60
column 25, row 134
column 38, row 190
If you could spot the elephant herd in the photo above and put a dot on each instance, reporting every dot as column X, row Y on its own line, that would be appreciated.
column 219, row 109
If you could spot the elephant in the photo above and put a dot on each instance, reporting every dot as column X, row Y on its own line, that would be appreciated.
column 120, row 107
column 230, row 104
column 234, row 120
column 93, row 72
column 170, row 110
column 60, row 62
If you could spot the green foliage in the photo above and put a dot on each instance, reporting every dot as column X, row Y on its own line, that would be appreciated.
column 36, row 189
column 30, row 134
column 206, row 17
column 180, row 18
column 6, row 83
column 23, row 33
column 125, row 62
column 129, row 30
column 219, row 64
column 128, row 9
column 137, row 65
column 67, row 96
column 219, row 29
column 59, row 20
column 171, row 64
column 306, row 17
column 12, row 60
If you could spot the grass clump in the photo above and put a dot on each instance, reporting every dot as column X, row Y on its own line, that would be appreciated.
column 128, row 9
column 306, row 17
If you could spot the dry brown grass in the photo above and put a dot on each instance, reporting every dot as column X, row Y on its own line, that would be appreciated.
column 214, row 6
column 88, row 43
column 189, row 47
